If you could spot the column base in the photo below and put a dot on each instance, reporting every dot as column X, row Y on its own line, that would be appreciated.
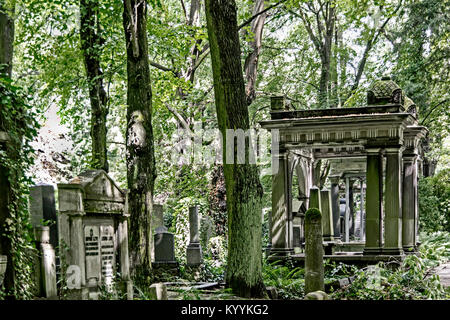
column 410, row 249
column 372, row 251
column 194, row 254
column 328, row 238
column 393, row 251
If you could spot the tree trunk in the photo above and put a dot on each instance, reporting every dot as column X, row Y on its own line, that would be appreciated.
column 243, row 188
column 91, row 43
column 251, row 62
column 6, row 56
column 141, row 171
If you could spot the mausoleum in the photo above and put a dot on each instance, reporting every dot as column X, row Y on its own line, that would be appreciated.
column 374, row 152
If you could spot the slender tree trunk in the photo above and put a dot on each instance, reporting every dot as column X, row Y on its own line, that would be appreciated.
column 251, row 62
column 243, row 188
column 141, row 171
column 91, row 43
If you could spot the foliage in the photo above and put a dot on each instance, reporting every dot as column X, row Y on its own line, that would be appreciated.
column 288, row 281
column 18, row 119
column 411, row 280
column 434, row 202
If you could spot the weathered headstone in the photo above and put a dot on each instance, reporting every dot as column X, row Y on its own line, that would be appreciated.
column 314, row 198
column 46, row 266
column 194, row 249
column 158, row 215
column 93, row 226
column 164, row 246
column 314, row 270
column 43, row 210
column 158, row 291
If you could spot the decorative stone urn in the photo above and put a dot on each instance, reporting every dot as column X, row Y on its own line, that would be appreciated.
column 3, row 262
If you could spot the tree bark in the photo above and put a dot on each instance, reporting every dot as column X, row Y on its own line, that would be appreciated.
column 91, row 43
column 6, row 61
column 243, row 189
column 141, row 171
column 251, row 62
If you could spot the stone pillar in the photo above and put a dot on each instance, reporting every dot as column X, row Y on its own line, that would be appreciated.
column 351, row 207
column 46, row 268
column 409, row 203
column 314, row 270
column 327, row 217
column 393, row 203
column 361, row 211
column 194, row 249
column 335, row 206
column 77, row 254
column 347, row 211
column 374, row 209
column 281, row 229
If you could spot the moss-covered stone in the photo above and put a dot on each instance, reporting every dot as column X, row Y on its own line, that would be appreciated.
column 313, row 214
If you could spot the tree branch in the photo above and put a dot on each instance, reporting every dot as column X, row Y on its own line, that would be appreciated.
column 259, row 13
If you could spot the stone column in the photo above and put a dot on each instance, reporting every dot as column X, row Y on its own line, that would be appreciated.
column 327, row 217
column 194, row 249
column 374, row 209
column 351, row 207
column 314, row 271
column 347, row 211
column 314, row 198
column 335, row 205
column 393, row 203
column 409, row 203
column 281, row 232
column 361, row 211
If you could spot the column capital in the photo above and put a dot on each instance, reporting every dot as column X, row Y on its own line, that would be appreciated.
column 334, row 179
column 373, row 151
column 393, row 149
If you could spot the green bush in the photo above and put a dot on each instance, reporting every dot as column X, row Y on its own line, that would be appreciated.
column 434, row 202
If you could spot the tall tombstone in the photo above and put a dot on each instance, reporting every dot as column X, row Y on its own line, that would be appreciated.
column 327, row 215
column 194, row 249
column 157, row 221
column 46, row 264
column 314, row 270
column 314, row 198
column 43, row 210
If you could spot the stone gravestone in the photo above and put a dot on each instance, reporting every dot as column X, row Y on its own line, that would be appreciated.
column 46, row 264
column 43, row 210
column 164, row 246
column 93, row 226
column 157, row 221
column 327, row 215
column 314, row 270
column 194, row 249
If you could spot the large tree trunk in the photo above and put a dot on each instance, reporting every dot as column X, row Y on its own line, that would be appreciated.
column 243, row 188
column 6, row 56
column 91, row 43
column 141, row 172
